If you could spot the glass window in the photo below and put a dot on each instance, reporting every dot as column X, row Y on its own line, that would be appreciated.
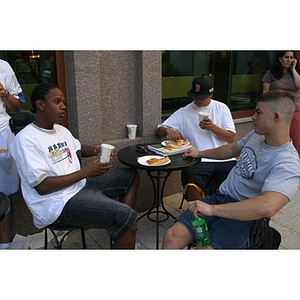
column 31, row 68
column 248, row 67
column 236, row 76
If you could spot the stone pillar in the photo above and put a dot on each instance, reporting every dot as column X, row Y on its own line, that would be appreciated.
column 106, row 90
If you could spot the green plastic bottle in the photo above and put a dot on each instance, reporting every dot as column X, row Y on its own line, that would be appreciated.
column 201, row 232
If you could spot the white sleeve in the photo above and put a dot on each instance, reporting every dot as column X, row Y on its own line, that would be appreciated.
column 172, row 122
column 12, row 84
column 227, row 121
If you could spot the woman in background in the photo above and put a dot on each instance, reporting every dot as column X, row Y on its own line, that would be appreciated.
column 284, row 75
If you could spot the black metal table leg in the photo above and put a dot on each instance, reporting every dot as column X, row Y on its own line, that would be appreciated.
column 158, row 199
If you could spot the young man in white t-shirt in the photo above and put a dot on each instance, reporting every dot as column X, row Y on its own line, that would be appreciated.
column 55, row 187
column 216, row 130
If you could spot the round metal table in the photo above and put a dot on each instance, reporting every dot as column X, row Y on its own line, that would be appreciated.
column 129, row 156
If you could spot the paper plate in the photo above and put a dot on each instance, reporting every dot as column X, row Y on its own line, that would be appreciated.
column 143, row 160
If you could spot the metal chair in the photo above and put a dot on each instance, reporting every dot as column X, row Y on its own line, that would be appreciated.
column 4, row 205
column 262, row 236
column 214, row 188
column 59, row 240
column 68, row 229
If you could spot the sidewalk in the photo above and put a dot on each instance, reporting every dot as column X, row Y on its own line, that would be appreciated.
column 287, row 222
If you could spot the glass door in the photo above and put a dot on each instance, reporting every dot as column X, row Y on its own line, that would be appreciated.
column 31, row 68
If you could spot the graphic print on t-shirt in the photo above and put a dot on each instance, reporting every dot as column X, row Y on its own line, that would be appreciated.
column 59, row 152
column 246, row 164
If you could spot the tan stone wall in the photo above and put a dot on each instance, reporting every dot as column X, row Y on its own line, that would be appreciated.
column 106, row 90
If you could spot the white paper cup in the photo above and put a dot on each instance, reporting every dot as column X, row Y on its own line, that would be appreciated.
column 131, row 129
column 203, row 116
column 106, row 150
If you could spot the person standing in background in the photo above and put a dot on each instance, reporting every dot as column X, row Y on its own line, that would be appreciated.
column 11, row 97
column 284, row 75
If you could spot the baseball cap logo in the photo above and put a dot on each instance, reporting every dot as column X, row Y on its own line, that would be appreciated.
column 197, row 88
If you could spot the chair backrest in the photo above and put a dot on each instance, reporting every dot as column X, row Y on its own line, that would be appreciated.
column 272, row 239
column 262, row 236
column 258, row 232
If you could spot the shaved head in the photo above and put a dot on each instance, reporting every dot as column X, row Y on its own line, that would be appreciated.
column 279, row 101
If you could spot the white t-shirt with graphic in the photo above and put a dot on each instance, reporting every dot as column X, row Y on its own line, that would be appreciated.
column 9, row 179
column 40, row 153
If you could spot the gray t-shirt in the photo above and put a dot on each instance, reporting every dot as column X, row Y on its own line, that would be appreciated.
column 286, row 82
column 262, row 168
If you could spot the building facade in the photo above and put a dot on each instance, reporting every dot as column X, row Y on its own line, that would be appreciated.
column 105, row 91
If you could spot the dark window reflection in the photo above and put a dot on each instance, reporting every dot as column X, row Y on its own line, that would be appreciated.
column 31, row 68
column 236, row 76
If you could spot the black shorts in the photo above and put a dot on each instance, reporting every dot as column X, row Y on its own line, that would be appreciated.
column 206, row 175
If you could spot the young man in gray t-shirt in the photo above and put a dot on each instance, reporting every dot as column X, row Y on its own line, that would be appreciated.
column 265, row 178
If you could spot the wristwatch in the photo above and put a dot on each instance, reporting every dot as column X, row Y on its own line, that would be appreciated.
column 6, row 95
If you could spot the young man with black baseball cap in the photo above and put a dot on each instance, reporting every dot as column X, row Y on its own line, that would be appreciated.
column 214, row 131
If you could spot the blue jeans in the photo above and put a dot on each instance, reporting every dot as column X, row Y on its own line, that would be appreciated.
column 97, row 204
column 224, row 233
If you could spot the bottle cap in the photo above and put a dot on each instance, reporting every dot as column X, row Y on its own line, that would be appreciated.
column 198, row 222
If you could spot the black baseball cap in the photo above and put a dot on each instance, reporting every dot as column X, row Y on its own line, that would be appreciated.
column 201, row 88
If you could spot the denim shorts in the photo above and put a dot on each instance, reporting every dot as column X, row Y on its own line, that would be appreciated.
column 224, row 233
column 97, row 204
